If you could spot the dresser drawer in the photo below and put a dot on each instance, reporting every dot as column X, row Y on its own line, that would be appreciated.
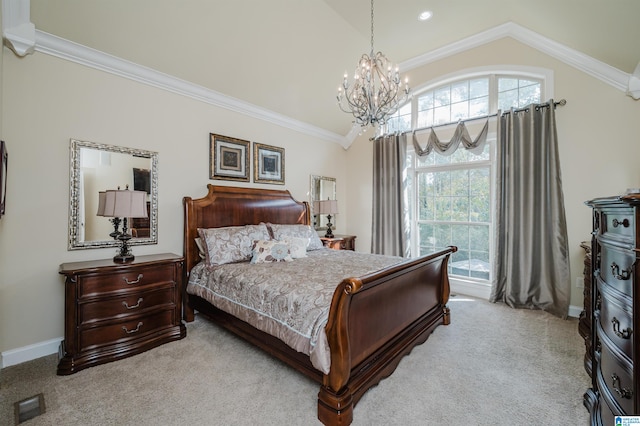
column 117, row 332
column 617, row 376
column 607, row 413
column 94, row 285
column 122, row 306
column 616, row 318
column 618, row 224
column 616, row 268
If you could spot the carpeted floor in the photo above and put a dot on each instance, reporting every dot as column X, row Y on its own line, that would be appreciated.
column 492, row 366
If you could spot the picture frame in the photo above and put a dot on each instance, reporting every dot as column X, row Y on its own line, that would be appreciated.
column 4, row 161
column 268, row 164
column 228, row 158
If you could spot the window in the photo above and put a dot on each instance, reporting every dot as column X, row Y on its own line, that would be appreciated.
column 450, row 196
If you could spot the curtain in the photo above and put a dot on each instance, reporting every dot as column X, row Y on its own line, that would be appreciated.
column 531, row 251
column 390, row 226
column 460, row 136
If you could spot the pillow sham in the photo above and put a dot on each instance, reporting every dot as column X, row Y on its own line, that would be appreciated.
column 232, row 243
column 270, row 251
column 297, row 246
column 281, row 231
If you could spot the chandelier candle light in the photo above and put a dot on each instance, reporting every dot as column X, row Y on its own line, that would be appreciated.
column 376, row 92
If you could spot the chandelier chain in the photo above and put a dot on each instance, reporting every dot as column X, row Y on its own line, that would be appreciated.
column 371, row 27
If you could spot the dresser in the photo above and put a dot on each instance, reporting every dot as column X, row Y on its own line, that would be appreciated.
column 115, row 310
column 615, row 314
column 340, row 242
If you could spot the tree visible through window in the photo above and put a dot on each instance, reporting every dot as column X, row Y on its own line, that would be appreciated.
column 450, row 196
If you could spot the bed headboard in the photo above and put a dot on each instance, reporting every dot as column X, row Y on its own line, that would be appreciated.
column 234, row 206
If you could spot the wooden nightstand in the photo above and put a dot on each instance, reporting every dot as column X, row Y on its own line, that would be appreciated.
column 115, row 310
column 340, row 242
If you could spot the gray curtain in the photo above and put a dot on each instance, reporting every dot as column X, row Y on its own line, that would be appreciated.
column 460, row 137
column 531, row 251
column 390, row 226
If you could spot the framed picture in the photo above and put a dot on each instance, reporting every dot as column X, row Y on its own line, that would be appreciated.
column 228, row 158
column 4, row 158
column 268, row 164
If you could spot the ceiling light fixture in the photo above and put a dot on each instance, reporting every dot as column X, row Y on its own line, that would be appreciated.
column 426, row 15
column 376, row 92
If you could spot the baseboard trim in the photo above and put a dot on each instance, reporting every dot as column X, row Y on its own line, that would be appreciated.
column 30, row 352
column 483, row 291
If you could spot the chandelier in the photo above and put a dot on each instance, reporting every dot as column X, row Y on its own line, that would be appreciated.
column 376, row 92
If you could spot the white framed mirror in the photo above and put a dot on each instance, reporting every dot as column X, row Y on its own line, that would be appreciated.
column 97, row 167
column 322, row 188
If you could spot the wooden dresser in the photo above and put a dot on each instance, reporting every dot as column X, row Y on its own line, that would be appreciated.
column 340, row 242
column 615, row 347
column 114, row 310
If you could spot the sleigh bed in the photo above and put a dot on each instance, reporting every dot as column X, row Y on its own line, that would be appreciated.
column 373, row 320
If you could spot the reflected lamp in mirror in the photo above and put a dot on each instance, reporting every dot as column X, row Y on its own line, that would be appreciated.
column 122, row 205
column 328, row 207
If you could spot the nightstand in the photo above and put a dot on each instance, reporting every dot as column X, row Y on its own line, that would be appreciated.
column 115, row 310
column 340, row 242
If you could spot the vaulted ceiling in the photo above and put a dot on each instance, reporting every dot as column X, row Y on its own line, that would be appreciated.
column 288, row 56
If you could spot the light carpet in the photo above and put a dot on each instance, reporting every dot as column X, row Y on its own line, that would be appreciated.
column 492, row 366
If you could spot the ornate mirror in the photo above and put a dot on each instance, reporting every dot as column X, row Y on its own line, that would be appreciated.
column 322, row 188
column 97, row 167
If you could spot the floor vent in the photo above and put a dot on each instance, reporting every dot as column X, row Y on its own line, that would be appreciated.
column 29, row 408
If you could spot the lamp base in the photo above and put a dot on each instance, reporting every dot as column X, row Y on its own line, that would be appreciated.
column 329, row 233
column 123, row 259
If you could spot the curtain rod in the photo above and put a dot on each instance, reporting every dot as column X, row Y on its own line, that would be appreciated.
column 561, row 102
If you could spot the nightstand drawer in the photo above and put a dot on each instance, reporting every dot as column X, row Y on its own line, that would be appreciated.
column 99, row 285
column 115, row 310
column 132, row 329
column 122, row 306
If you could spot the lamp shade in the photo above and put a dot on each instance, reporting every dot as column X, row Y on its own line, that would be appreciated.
column 122, row 203
column 325, row 207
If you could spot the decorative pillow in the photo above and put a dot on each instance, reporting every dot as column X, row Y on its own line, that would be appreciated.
column 232, row 243
column 297, row 246
column 280, row 232
column 202, row 250
column 270, row 251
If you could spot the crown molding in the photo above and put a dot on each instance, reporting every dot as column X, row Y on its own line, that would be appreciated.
column 582, row 62
column 20, row 35
column 70, row 51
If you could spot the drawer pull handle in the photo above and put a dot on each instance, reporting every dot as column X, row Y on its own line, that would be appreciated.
column 624, row 334
column 134, row 281
column 622, row 392
column 624, row 223
column 615, row 270
column 135, row 330
column 137, row 305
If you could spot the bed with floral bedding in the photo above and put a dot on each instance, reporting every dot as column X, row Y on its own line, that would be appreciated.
column 256, row 266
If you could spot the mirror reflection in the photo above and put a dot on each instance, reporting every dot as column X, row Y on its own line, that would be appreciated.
column 322, row 188
column 98, row 167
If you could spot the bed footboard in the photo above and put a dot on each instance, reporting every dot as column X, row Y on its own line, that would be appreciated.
column 374, row 321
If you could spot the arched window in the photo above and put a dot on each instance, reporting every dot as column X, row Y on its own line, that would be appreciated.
column 451, row 196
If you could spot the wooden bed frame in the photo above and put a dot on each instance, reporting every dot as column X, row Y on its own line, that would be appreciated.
column 374, row 320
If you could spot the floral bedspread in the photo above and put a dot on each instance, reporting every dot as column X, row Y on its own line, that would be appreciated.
column 289, row 300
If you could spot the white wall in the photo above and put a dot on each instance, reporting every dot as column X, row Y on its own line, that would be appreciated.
column 46, row 102
column 598, row 132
